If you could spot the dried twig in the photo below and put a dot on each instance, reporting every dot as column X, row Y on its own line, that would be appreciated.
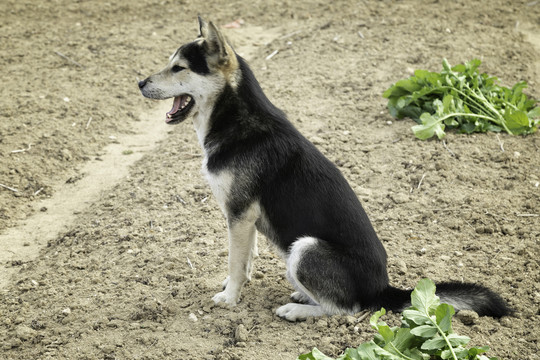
column 290, row 34
column 421, row 180
column 9, row 188
column 179, row 198
column 274, row 53
column 363, row 316
column 500, row 143
column 37, row 192
column 189, row 263
column 22, row 150
column 88, row 123
column 446, row 147
column 68, row 59
column 522, row 215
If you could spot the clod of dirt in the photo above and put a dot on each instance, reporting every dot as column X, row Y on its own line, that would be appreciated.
column 241, row 334
column 24, row 332
column 467, row 317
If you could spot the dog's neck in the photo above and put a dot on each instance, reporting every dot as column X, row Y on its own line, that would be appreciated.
column 201, row 120
column 206, row 102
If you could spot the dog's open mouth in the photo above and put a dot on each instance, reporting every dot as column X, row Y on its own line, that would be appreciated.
column 180, row 110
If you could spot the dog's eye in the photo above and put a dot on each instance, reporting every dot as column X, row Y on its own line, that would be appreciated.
column 177, row 68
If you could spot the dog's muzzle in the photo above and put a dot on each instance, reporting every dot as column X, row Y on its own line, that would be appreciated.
column 182, row 105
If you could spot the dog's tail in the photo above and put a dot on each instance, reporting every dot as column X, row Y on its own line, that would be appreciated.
column 462, row 296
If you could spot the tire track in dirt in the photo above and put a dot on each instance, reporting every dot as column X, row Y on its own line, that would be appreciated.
column 58, row 213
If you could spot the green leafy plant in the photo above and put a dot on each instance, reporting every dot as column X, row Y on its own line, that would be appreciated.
column 425, row 334
column 461, row 98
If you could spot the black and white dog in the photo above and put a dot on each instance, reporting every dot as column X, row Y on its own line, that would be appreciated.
column 267, row 177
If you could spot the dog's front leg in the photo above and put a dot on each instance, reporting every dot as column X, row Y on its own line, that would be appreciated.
column 242, row 248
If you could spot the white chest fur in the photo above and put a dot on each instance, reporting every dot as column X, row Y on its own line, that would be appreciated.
column 221, row 184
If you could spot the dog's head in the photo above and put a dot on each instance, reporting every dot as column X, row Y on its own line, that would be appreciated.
column 195, row 75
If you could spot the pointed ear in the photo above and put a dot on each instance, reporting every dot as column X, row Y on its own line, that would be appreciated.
column 216, row 44
column 203, row 27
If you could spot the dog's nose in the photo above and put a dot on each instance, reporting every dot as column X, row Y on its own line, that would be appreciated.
column 142, row 83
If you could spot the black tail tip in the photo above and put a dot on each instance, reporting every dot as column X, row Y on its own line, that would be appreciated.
column 467, row 296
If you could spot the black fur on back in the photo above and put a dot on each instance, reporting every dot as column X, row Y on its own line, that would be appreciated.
column 302, row 193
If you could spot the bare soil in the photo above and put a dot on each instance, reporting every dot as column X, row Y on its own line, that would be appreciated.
column 131, row 273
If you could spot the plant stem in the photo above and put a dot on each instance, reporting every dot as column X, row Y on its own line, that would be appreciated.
column 470, row 115
column 426, row 312
column 496, row 121
column 400, row 353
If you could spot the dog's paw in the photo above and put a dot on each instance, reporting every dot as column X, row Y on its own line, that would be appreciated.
column 226, row 298
column 297, row 312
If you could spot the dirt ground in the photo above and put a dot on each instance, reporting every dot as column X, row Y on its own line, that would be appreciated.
column 132, row 276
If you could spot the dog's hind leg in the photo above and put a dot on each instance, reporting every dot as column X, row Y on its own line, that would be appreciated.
column 242, row 240
column 320, row 280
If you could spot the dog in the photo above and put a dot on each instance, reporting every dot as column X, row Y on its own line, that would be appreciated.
column 269, row 178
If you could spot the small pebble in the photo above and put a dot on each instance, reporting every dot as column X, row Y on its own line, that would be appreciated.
column 192, row 317
column 317, row 140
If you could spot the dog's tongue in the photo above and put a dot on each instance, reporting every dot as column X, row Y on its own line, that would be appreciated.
column 176, row 105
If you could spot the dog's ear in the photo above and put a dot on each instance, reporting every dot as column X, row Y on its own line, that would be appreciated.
column 215, row 43
column 203, row 27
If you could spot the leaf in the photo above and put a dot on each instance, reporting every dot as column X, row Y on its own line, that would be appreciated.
column 374, row 319
column 425, row 331
column 468, row 127
column 456, row 340
column 446, row 354
column 403, row 339
column 415, row 316
column 448, row 102
column 383, row 329
column 315, row 354
column 430, row 126
column 461, row 353
column 385, row 354
column 517, row 121
column 366, row 351
column 386, row 333
column 434, row 344
column 352, row 354
column 534, row 113
column 474, row 351
column 416, row 354
column 444, row 315
column 423, row 297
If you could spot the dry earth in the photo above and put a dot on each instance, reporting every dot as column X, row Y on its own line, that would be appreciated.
column 131, row 274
